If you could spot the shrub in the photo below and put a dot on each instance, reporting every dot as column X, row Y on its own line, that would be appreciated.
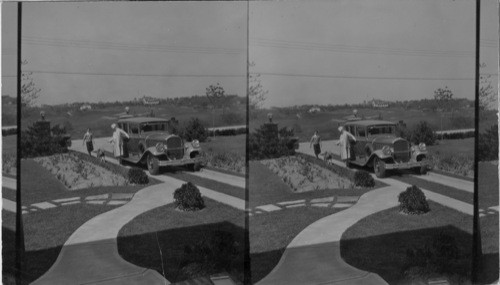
column 412, row 201
column 422, row 132
column 188, row 198
column 268, row 142
column 37, row 142
column 488, row 144
column 137, row 176
column 195, row 130
column 363, row 179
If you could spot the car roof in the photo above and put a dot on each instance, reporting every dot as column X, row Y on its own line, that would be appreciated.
column 141, row 120
column 370, row 123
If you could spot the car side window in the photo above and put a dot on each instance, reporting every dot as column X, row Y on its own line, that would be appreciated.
column 361, row 131
column 134, row 129
column 124, row 126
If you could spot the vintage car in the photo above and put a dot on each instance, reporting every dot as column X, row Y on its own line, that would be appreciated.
column 378, row 146
column 152, row 142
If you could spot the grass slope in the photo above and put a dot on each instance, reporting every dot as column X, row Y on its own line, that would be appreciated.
column 137, row 241
column 488, row 196
column 378, row 243
column 38, row 185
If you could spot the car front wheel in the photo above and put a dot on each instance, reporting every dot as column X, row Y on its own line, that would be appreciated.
column 422, row 170
column 379, row 167
column 153, row 164
column 195, row 167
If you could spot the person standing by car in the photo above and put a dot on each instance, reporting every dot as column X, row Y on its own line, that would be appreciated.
column 88, row 140
column 344, row 142
column 316, row 142
column 117, row 140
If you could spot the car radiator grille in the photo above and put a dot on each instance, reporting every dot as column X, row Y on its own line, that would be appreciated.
column 175, row 149
column 401, row 151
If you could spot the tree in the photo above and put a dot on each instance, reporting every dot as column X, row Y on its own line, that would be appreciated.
column 256, row 93
column 487, row 93
column 29, row 91
column 442, row 96
column 215, row 93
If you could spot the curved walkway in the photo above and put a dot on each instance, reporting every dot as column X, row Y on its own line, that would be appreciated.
column 313, row 256
column 90, row 255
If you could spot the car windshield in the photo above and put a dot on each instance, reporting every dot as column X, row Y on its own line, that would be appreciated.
column 154, row 127
column 381, row 130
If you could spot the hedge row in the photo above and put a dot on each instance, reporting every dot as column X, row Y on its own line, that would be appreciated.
column 454, row 136
column 228, row 132
column 9, row 132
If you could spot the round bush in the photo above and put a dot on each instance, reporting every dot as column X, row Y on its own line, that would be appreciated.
column 195, row 130
column 137, row 176
column 363, row 179
column 412, row 201
column 423, row 132
column 188, row 198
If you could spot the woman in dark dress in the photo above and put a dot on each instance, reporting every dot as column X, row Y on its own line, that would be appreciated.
column 88, row 141
column 316, row 142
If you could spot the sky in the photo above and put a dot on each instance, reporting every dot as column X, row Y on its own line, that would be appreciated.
column 337, row 52
column 113, row 51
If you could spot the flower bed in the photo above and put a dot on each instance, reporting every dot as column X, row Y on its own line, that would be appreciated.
column 227, row 161
column 303, row 176
column 9, row 164
column 76, row 173
column 458, row 164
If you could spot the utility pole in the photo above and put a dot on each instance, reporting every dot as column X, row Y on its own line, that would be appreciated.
column 19, row 214
column 476, row 230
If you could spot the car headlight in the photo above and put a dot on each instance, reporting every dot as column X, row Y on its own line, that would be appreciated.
column 195, row 143
column 422, row 146
column 386, row 150
column 160, row 147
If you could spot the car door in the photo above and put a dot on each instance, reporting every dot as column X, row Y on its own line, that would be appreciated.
column 133, row 143
column 360, row 146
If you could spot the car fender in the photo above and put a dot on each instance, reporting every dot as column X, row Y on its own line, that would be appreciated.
column 153, row 151
column 380, row 154
column 418, row 153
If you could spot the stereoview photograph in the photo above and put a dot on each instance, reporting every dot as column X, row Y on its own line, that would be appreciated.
column 133, row 141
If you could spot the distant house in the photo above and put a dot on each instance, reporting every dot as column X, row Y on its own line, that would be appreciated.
column 379, row 104
column 85, row 107
column 314, row 110
column 150, row 101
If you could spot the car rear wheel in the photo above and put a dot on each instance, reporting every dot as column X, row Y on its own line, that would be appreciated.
column 153, row 164
column 379, row 167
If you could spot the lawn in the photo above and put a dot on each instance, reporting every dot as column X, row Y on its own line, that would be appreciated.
column 224, row 144
column 453, row 147
column 270, row 233
column 175, row 232
column 488, row 196
column 379, row 243
column 227, row 153
column 46, row 231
